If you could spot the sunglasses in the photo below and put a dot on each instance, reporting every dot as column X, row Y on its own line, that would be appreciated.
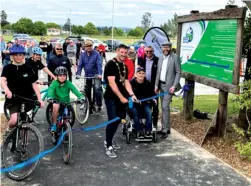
column 59, row 49
column 149, row 51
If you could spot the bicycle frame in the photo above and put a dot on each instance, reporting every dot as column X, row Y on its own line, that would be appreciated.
column 45, row 91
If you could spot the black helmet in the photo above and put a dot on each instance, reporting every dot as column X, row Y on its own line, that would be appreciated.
column 61, row 71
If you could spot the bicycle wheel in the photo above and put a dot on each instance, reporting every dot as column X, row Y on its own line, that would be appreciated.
column 49, row 114
column 6, row 111
column 82, row 111
column 29, row 143
column 67, row 143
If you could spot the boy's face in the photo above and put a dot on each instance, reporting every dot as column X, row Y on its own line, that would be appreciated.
column 62, row 78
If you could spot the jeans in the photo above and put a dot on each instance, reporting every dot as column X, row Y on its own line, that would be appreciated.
column 6, row 62
column 97, row 92
column 142, row 111
column 114, row 109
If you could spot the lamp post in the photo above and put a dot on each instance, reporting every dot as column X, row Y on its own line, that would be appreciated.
column 70, row 22
column 112, row 21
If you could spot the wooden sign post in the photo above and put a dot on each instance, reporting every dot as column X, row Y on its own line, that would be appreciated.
column 209, row 46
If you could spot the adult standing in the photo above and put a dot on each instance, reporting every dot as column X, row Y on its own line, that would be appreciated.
column 66, row 43
column 6, row 54
column 71, row 54
column 167, row 80
column 49, row 50
column 132, row 54
column 29, row 51
column 58, row 60
column 78, row 45
column 116, row 94
column 44, row 46
column 150, row 64
column 141, row 53
column 91, row 62
column 2, row 46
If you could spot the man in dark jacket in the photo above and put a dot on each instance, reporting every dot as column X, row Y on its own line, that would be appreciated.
column 150, row 63
column 59, row 60
column 142, row 89
column 66, row 43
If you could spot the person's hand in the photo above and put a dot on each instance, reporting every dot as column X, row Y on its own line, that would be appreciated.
column 8, row 93
column 155, row 101
column 134, row 98
column 123, row 100
column 100, row 76
column 41, row 103
column 156, row 90
column 172, row 89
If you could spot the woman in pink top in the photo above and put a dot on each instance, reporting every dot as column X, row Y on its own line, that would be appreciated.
column 141, row 53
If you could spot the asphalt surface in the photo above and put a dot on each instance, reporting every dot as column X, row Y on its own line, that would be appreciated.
column 175, row 161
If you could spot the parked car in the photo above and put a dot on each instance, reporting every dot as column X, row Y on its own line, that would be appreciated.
column 54, row 40
column 137, row 44
column 97, row 42
column 75, row 39
column 21, row 36
column 23, row 41
column 112, row 46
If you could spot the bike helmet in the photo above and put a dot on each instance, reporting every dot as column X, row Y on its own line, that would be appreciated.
column 37, row 50
column 17, row 49
column 61, row 71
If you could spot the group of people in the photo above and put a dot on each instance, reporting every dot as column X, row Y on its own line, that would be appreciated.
column 153, row 75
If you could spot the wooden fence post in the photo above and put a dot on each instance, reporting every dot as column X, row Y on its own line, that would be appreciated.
column 188, row 101
column 221, row 119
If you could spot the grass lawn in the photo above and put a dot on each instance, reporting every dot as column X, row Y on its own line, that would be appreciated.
column 123, row 39
column 207, row 103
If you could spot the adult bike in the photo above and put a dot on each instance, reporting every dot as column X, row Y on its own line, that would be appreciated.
column 64, row 128
column 23, row 142
column 45, row 92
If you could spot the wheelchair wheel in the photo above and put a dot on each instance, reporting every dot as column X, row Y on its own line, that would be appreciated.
column 128, row 137
column 155, row 136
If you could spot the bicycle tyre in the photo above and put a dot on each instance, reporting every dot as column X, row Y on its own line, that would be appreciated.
column 67, row 146
column 82, row 119
column 49, row 114
column 6, row 111
column 12, row 175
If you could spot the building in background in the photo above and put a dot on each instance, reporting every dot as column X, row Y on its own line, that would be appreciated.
column 53, row 32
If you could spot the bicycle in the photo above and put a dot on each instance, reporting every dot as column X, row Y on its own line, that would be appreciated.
column 82, row 111
column 20, row 140
column 45, row 92
column 63, row 123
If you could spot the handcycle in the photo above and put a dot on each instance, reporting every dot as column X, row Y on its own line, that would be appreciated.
column 21, row 141
column 64, row 126
column 82, row 111
column 129, row 131
column 45, row 92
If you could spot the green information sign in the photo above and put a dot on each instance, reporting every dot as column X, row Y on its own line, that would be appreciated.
column 208, row 49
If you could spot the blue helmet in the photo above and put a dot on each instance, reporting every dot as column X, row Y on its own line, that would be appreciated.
column 37, row 50
column 17, row 49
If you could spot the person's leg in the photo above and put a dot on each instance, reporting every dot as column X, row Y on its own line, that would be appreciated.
column 98, row 92
column 111, row 128
column 55, row 110
column 88, row 85
column 13, row 108
column 165, row 104
column 148, row 116
column 135, row 117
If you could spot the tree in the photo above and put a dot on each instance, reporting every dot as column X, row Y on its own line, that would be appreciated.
column 247, row 35
column 118, row 32
column 78, row 29
column 52, row 25
column 231, row 2
column 67, row 25
column 39, row 28
column 137, row 32
column 90, row 29
column 23, row 25
column 171, row 26
column 4, row 18
column 146, row 21
column 107, row 31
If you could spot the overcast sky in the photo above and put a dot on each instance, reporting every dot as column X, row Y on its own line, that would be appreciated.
column 127, row 13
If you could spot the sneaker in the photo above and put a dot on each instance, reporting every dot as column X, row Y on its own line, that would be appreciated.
column 140, row 135
column 110, row 152
column 77, row 77
column 53, row 128
column 149, row 135
column 114, row 145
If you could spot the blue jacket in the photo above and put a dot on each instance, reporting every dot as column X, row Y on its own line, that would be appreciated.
column 92, row 64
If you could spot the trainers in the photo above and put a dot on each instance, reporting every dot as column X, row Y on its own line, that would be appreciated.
column 53, row 128
column 110, row 152
column 149, row 135
column 114, row 145
column 140, row 135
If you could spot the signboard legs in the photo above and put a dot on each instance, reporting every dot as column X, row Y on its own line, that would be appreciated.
column 188, row 101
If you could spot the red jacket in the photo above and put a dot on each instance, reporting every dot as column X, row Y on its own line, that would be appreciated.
column 130, row 67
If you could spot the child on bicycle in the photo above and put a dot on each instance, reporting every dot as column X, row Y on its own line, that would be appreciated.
column 60, row 91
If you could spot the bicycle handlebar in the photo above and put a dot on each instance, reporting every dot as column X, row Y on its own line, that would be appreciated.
column 63, row 103
column 44, row 83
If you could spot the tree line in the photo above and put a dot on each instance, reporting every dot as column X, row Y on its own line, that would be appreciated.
column 27, row 26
